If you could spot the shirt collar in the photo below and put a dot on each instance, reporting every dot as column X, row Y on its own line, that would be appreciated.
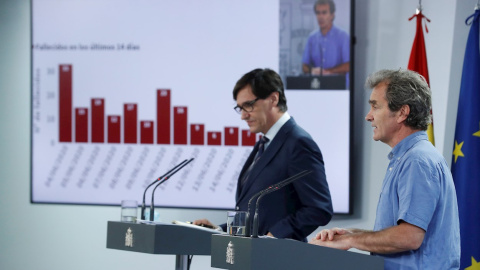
column 272, row 132
column 333, row 31
column 404, row 145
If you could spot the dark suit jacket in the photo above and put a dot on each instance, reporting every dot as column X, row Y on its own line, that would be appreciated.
column 297, row 209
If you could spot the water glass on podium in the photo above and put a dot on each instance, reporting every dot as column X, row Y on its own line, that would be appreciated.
column 236, row 222
column 129, row 211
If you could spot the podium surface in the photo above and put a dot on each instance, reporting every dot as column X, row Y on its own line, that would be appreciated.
column 230, row 252
column 159, row 238
column 165, row 238
column 312, row 82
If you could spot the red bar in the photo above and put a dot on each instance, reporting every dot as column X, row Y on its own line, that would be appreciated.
column 81, row 125
column 197, row 134
column 180, row 125
column 130, row 123
column 214, row 138
column 98, row 120
column 146, row 132
column 163, row 116
column 65, row 103
column 231, row 136
column 114, row 128
column 248, row 138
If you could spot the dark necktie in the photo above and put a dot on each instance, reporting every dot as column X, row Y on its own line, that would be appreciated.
column 261, row 149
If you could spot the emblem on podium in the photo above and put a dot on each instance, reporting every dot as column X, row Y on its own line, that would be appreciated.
column 230, row 253
column 129, row 238
column 315, row 84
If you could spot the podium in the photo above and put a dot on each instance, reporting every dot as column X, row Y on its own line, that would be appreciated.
column 230, row 252
column 307, row 82
column 160, row 239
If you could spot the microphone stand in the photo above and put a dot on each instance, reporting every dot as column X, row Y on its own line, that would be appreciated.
column 269, row 190
column 321, row 60
column 151, row 184
column 152, row 207
column 247, row 217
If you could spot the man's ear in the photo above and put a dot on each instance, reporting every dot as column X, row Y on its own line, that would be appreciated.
column 403, row 113
column 275, row 97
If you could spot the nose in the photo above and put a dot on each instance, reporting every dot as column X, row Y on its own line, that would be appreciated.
column 369, row 116
column 245, row 115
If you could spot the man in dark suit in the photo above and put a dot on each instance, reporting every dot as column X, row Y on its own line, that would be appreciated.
column 284, row 150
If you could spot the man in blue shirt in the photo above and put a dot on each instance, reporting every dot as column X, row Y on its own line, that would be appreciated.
column 328, row 49
column 417, row 225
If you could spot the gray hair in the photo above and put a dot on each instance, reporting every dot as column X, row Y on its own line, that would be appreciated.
column 330, row 3
column 405, row 87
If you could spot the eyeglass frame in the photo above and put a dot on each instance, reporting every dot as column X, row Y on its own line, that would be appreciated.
column 249, row 104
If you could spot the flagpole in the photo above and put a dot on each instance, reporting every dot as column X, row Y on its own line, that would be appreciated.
column 419, row 7
column 418, row 58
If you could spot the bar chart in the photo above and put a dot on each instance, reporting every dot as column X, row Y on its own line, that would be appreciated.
column 89, row 122
column 98, row 146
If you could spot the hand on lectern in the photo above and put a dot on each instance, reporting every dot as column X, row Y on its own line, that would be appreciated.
column 334, row 238
column 205, row 223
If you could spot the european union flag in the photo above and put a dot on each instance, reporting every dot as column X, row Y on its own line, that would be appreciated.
column 466, row 153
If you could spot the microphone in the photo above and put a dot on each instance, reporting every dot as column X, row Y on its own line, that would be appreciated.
column 168, row 176
column 247, row 218
column 269, row 190
column 151, row 184
column 321, row 60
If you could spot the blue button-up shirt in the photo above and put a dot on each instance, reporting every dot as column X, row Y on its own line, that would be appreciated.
column 327, row 51
column 418, row 189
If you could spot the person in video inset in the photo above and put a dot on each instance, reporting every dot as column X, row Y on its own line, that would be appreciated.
column 417, row 224
column 284, row 150
column 327, row 50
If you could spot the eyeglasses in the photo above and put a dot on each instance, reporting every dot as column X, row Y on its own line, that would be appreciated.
column 323, row 12
column 247, row 106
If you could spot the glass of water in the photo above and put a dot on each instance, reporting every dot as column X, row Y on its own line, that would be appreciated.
column 236, row 222
column 129, row 211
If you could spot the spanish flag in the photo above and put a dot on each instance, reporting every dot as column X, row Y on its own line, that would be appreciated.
column 418, row 59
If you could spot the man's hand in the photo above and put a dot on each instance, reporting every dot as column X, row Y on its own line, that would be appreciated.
column 399, row 238
column 338, row 242
column 316, row 71
column 334, row 238
column 320, row 71
column 205, row 222
column 328, row 234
